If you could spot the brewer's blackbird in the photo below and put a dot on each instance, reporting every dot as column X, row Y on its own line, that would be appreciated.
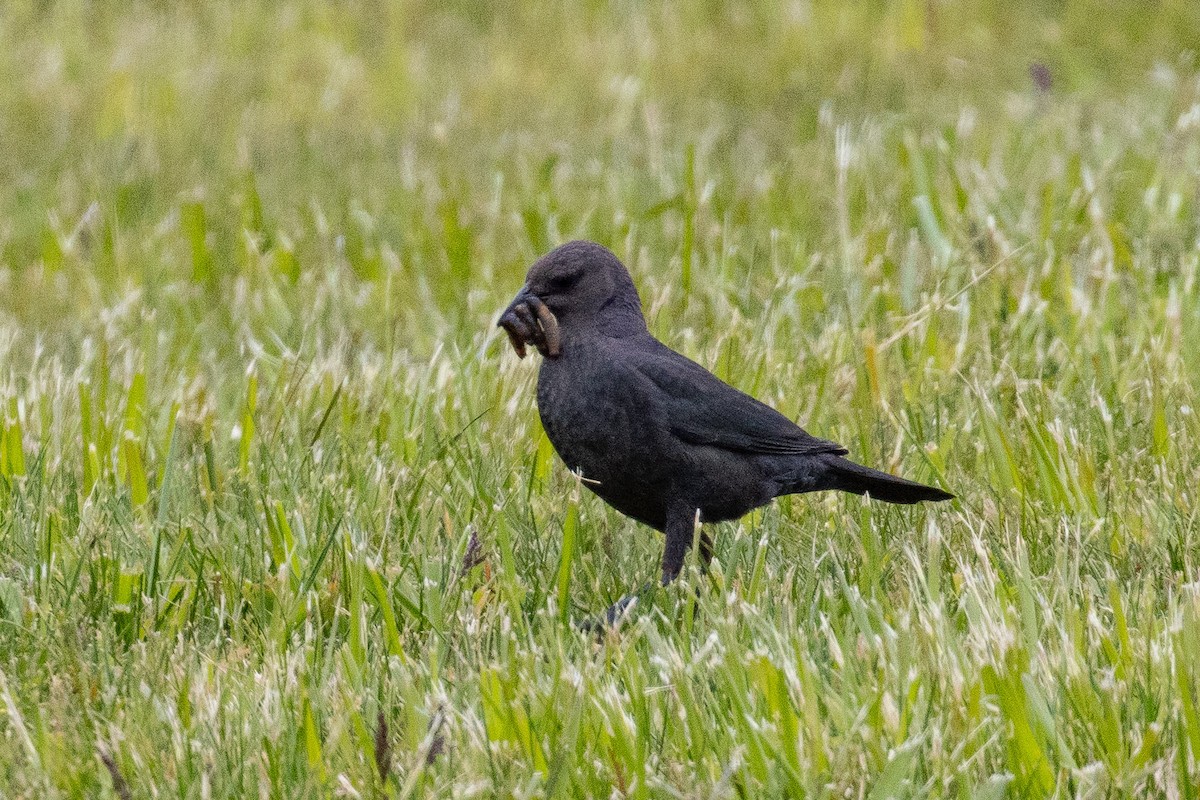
column 657, row 436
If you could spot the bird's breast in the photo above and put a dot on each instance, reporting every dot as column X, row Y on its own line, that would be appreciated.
column 601, row 428
column 585, row 428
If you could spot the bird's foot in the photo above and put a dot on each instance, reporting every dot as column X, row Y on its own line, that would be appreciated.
column 614, row 614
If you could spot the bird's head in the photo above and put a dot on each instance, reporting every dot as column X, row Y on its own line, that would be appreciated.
column 578, row 288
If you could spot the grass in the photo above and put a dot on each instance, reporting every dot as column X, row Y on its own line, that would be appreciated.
column 276, row 515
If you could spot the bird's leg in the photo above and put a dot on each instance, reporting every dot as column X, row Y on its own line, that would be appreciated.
column 682, row 526
column 706, row 550
column 682, row 520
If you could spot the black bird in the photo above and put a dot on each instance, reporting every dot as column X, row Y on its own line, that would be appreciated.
column 657, row 436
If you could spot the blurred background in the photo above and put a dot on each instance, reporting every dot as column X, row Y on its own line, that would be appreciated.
column 190, row 157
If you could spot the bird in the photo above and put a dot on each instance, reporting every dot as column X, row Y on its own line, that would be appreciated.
column 651, row 432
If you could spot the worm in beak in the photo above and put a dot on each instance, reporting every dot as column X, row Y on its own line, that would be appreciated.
column 528, row 321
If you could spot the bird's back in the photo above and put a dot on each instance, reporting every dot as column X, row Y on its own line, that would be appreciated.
column 643, row 424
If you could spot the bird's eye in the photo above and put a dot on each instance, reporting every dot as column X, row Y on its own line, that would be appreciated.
column 561, row 283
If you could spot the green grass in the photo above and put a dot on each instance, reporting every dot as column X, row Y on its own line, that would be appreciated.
column 256, row 415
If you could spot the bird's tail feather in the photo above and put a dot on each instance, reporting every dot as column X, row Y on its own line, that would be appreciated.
column 851, row 477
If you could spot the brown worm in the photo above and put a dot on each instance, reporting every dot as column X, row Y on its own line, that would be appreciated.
column 517, row 342
column 552, row 340
column 533, row 330
column 532, row 323
column 518, row 327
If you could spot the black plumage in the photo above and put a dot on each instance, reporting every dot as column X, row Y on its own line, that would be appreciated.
column 654, row 434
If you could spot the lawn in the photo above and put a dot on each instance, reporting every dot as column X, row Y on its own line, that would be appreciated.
column 277, row 518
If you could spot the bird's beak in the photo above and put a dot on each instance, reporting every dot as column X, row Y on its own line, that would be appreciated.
column 528, row 320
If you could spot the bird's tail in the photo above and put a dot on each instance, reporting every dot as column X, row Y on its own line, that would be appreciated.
column 851, row 477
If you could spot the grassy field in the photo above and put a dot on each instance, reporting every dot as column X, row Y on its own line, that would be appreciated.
column 276, row 515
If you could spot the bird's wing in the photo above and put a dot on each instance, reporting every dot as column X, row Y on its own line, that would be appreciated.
column 706, row 411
